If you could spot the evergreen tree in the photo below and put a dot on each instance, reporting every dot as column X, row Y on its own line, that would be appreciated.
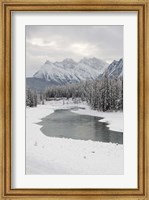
column 104, row 94
column 31, row 98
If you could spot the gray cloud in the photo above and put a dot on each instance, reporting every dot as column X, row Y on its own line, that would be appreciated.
column 56, row 43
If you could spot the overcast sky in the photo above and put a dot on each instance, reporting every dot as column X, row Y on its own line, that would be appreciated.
column 55, row 43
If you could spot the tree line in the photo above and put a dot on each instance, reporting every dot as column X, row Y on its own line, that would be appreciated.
column 104, row 94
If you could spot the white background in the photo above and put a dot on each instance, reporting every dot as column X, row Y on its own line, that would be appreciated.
column 129, row 21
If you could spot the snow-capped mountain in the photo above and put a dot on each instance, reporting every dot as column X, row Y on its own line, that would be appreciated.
column 69, row 71
column 115, row 69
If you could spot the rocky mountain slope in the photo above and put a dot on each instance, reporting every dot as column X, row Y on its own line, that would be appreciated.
column 69, row 71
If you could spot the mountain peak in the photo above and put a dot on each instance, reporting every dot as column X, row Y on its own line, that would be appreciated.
column 69, row 71
column 93, row 59
column 47, row 62
column 115, row 69
column 68, row 60
column 84, row 59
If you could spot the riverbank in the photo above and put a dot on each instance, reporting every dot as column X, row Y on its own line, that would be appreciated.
column 49, row 155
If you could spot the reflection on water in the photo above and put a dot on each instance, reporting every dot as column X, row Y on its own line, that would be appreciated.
column 64, row 123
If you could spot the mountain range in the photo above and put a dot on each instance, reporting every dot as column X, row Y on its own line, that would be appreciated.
column 69, row 71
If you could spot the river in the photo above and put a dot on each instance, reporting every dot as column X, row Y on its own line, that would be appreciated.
column 66, row 124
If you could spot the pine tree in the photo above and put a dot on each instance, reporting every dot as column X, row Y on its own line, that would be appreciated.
column 104, row 94
column 31, row 98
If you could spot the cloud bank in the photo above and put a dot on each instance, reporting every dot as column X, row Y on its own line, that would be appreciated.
column 55, row 43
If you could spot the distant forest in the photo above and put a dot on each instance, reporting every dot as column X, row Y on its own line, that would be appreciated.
column 104, row 94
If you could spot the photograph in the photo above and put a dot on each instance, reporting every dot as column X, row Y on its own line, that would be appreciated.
column 74, row 95
column 74, row 100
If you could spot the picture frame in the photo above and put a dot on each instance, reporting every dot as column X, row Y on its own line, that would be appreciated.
column 6, row 8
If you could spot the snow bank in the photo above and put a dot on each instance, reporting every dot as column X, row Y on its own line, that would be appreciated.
column 47, row 155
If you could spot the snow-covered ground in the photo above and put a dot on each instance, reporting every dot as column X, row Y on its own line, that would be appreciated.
column 49, row 155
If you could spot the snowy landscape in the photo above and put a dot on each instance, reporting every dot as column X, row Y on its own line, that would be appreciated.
column 74, row 104
column 49, row 155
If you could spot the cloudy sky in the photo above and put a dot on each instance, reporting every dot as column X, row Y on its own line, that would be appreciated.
column 55, row 43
